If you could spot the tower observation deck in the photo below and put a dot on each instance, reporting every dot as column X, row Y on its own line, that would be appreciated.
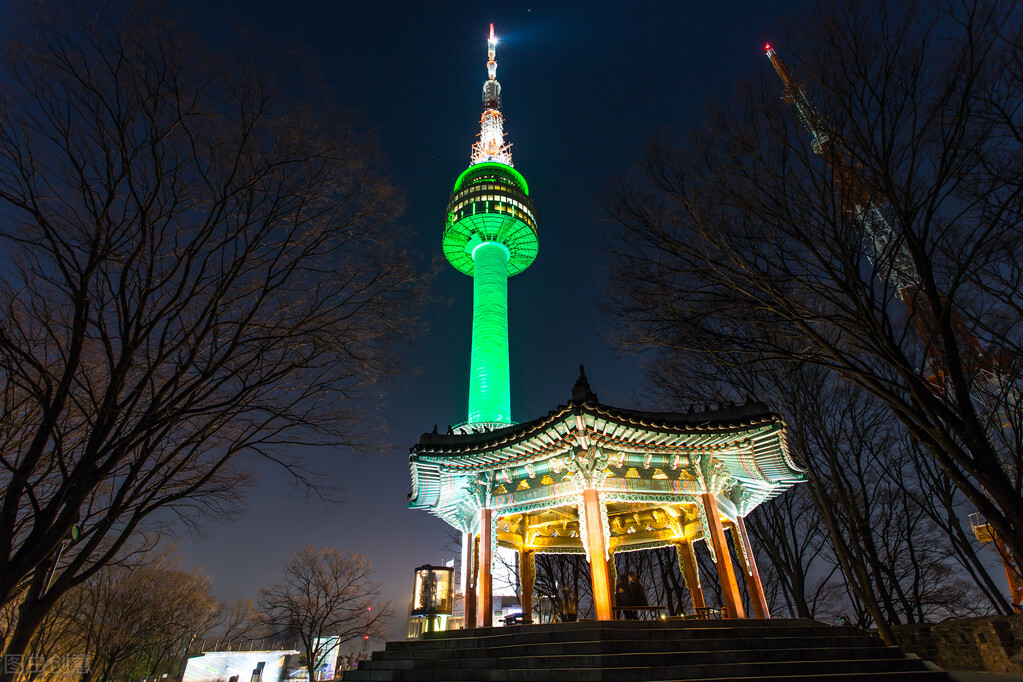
column 490, row 235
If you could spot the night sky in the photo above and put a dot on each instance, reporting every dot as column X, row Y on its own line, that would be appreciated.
column 585, row 84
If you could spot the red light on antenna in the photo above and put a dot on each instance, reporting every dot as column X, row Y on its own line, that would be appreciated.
column 365, row 636
column 369, row 608
column 767, row 47
column 491, row 31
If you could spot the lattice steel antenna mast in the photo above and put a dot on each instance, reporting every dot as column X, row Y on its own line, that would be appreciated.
column 491, row 145
column 896, row 266
column 893, row 263
column 490, row 235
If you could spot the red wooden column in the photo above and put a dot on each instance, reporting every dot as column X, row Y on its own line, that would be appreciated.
column 753, row 584
column 470, row 555
column 526, row 572
column 485, row 584
column 595, row 544
column 687, row 562
column 726, row 574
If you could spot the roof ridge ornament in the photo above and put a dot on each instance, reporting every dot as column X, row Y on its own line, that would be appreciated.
column 581, row 392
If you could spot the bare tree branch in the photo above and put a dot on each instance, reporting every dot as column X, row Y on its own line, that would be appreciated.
column 199, row 272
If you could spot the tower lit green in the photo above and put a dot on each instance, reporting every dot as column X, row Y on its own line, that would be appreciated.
column 490, row 235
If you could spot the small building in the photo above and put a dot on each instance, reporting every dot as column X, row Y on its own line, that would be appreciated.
column 243, row 666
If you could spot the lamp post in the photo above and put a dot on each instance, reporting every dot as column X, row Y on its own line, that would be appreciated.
column 433, row 593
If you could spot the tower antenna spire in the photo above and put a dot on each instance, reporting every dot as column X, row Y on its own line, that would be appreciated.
column 491, row 145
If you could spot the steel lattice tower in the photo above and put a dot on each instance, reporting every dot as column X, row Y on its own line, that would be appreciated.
column 490, row 235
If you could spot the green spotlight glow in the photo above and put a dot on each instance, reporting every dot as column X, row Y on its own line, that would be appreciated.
column 489, row 377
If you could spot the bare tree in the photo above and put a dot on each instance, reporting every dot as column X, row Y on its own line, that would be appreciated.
column 788, row 532
column 561, row 576
column 921, row 480
column 896, row 563
column 325, row 594
column 197, row 271
column 54, row 652
column 891, row 258
column 240, row 621
column 657, row 570
column 136, row 618
column 133, row 618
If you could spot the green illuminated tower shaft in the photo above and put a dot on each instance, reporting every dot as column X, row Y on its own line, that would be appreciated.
column 490, row 235
column 489, row 374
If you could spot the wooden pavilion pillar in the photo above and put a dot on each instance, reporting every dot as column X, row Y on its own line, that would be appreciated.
column 690, row 574
column 527, row 571
column 468, row 579
column 485, row 582
column 596, row 545
column 749, row 570
column 726, row 573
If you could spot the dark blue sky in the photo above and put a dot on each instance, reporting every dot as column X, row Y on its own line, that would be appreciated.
column 585, row 84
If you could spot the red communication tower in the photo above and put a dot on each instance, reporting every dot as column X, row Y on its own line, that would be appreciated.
column 895, row 265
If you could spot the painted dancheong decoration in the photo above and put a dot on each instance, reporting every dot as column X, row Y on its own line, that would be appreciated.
column 586, row 478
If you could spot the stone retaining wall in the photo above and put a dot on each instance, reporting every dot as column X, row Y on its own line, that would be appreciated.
column 991, row 644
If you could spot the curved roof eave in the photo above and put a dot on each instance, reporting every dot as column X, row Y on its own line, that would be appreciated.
column 708, row 421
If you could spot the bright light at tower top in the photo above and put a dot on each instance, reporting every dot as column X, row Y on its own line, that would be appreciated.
column 491, row 60
column 491, row 147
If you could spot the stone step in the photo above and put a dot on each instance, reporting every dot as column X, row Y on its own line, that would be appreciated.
column 611, row 676
column 594, row 656
column 688, row 625
column 644, row 659
column 672, row 622
column 645, row 651
column 708, row 667
column 626, row 646
column 838, row 670
column 902, row 676
column 525, row 645
column 527, row 634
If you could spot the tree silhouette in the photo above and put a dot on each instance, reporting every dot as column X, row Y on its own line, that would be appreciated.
column 197, row 273
column 741, row 245
column 324, row 594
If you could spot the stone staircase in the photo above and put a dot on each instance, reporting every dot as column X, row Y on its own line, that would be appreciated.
column 646, row 651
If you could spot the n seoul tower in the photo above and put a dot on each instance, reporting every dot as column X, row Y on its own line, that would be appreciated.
column 490, row 235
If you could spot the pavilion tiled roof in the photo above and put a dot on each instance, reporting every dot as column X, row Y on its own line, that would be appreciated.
column 748, row 440
column 726, row 419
